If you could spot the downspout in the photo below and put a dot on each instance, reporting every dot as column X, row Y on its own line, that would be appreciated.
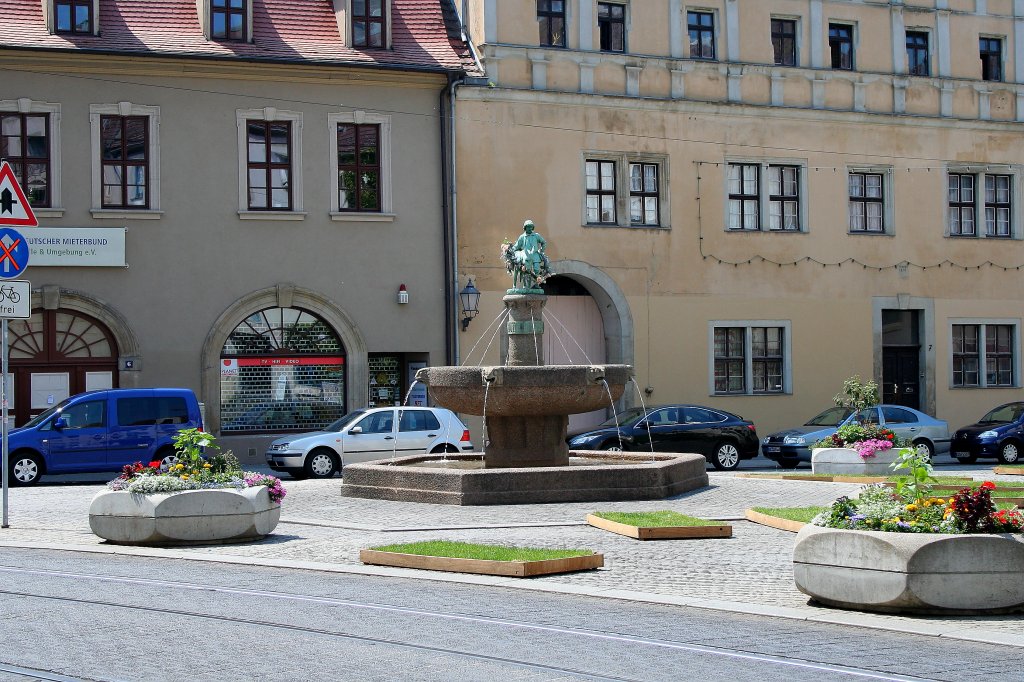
column 450, row 219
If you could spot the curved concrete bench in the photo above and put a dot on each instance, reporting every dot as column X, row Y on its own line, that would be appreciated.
column 910, row 572
column 184, row 518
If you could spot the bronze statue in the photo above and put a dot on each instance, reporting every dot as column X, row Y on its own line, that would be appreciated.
column 525, row 259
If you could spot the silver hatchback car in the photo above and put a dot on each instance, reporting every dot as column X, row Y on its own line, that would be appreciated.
column 367, row 435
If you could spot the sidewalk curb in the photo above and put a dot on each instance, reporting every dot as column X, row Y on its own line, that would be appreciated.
column 832, row 616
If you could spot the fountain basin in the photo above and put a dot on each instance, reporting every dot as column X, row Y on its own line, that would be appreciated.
column 606, row 477
column 549, row 390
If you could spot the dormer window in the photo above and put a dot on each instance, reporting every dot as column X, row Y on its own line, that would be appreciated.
column 73, row 16
column 228, row 19
column 369, row 27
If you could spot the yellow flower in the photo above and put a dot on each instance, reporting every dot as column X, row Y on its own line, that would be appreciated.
column 179, row 466
column 184, row 477
column 927, row 503
column 206, row 466
column 940, row 501
column 911, row 507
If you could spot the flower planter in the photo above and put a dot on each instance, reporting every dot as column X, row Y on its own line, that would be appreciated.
column 189, row 517
column 775, row 522
column 910, row 572
column 660, row 532
column 511, row 569
column 846, row 461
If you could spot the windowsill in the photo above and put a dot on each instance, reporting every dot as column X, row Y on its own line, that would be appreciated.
column 361, row 217
column 1002, row 237
column 860, row 233
column 627, row 227
column 126, row 213
column 271, row 215
column 983, row 388
column 48, row 212
column 738, row 230
column 749, row 395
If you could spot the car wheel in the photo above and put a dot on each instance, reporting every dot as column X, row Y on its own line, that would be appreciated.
column 1009, row 452
column 167, row 458
column 321, row 463
column 612, row 446
column 447, row 447
column 26, row 468
column 925, row 448
column 788, row 463
column 726, row 456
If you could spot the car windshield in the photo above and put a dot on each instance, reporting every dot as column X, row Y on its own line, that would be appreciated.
column 340, row 424
column 833, row 416
column 1004, row 414
column 627, row 418
column 40, row 418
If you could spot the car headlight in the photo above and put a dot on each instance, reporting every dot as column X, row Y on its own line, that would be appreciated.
column 989, row 434
column 589, row 438
column 794, row 440
column 766, row 440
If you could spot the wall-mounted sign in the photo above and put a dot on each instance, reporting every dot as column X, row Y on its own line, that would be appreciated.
column 76, row 247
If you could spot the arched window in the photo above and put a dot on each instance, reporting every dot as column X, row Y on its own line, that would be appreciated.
column 56, row 354
column 282, row 369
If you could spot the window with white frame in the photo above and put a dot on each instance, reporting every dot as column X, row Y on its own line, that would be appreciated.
column 750, row 357
column 30, row 142
column 984, row 354
column 360, row 166
column 867, row 206
column 269, row 164
column 981, row 204
column 780, row 197
column 125, row 160
column 625, row 190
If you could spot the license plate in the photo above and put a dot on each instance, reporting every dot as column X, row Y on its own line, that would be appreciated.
column 773, row 449
column 961, row 454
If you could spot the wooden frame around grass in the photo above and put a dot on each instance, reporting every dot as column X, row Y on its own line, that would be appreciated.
column 510, row 569
column 660, row 532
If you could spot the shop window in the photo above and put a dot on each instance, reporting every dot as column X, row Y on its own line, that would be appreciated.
column 282, row 369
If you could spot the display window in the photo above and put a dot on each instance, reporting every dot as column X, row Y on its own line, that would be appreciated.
column 282, row 369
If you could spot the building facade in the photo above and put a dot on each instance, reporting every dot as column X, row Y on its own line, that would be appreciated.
column 233, row 197
column 751, row 200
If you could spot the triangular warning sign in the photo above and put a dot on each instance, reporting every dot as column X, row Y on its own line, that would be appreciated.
column 14, row 206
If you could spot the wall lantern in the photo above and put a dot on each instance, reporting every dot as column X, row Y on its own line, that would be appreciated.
column 403, row 294
column 470, row 298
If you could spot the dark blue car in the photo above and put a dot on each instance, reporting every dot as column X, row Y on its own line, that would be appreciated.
column 723, row 438
column 999, row 434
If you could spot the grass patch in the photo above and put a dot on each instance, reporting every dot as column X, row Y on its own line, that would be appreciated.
column 801, row 514
column 466, row 550
column 655, row 519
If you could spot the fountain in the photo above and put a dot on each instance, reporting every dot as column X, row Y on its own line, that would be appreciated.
column 525, row 406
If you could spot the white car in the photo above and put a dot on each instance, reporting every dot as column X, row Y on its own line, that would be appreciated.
column 367, row 435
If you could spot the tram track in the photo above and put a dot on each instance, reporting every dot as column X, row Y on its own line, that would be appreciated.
column 596, row 636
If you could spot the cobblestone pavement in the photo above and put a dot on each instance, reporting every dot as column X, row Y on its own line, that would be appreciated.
column 750, row 572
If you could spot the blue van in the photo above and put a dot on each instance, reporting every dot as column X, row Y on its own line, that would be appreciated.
column 102, row 431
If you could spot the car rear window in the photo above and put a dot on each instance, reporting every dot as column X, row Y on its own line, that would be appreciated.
column 150, row 411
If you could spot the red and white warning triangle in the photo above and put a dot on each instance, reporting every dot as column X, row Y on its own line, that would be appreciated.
column 14, row 207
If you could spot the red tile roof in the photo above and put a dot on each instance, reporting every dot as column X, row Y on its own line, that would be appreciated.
column 283, row 30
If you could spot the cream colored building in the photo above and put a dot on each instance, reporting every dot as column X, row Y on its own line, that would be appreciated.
column 760, row 198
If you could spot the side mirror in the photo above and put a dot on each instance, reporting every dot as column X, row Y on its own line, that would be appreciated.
column 355, row 430
column 60, row 423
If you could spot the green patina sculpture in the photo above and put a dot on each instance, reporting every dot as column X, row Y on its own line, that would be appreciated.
column 526, row 261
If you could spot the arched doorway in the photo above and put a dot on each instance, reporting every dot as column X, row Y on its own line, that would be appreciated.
column 281, row 369
column 56, row 354
column 574, row 335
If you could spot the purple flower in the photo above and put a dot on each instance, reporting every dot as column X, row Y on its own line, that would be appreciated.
column 904, row 525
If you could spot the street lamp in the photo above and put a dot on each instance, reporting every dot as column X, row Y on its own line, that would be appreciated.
column 470, row 298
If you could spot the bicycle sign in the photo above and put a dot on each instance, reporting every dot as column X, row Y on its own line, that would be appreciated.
column 16, row 299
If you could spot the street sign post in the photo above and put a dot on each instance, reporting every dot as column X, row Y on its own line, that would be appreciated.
column 15, row 296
